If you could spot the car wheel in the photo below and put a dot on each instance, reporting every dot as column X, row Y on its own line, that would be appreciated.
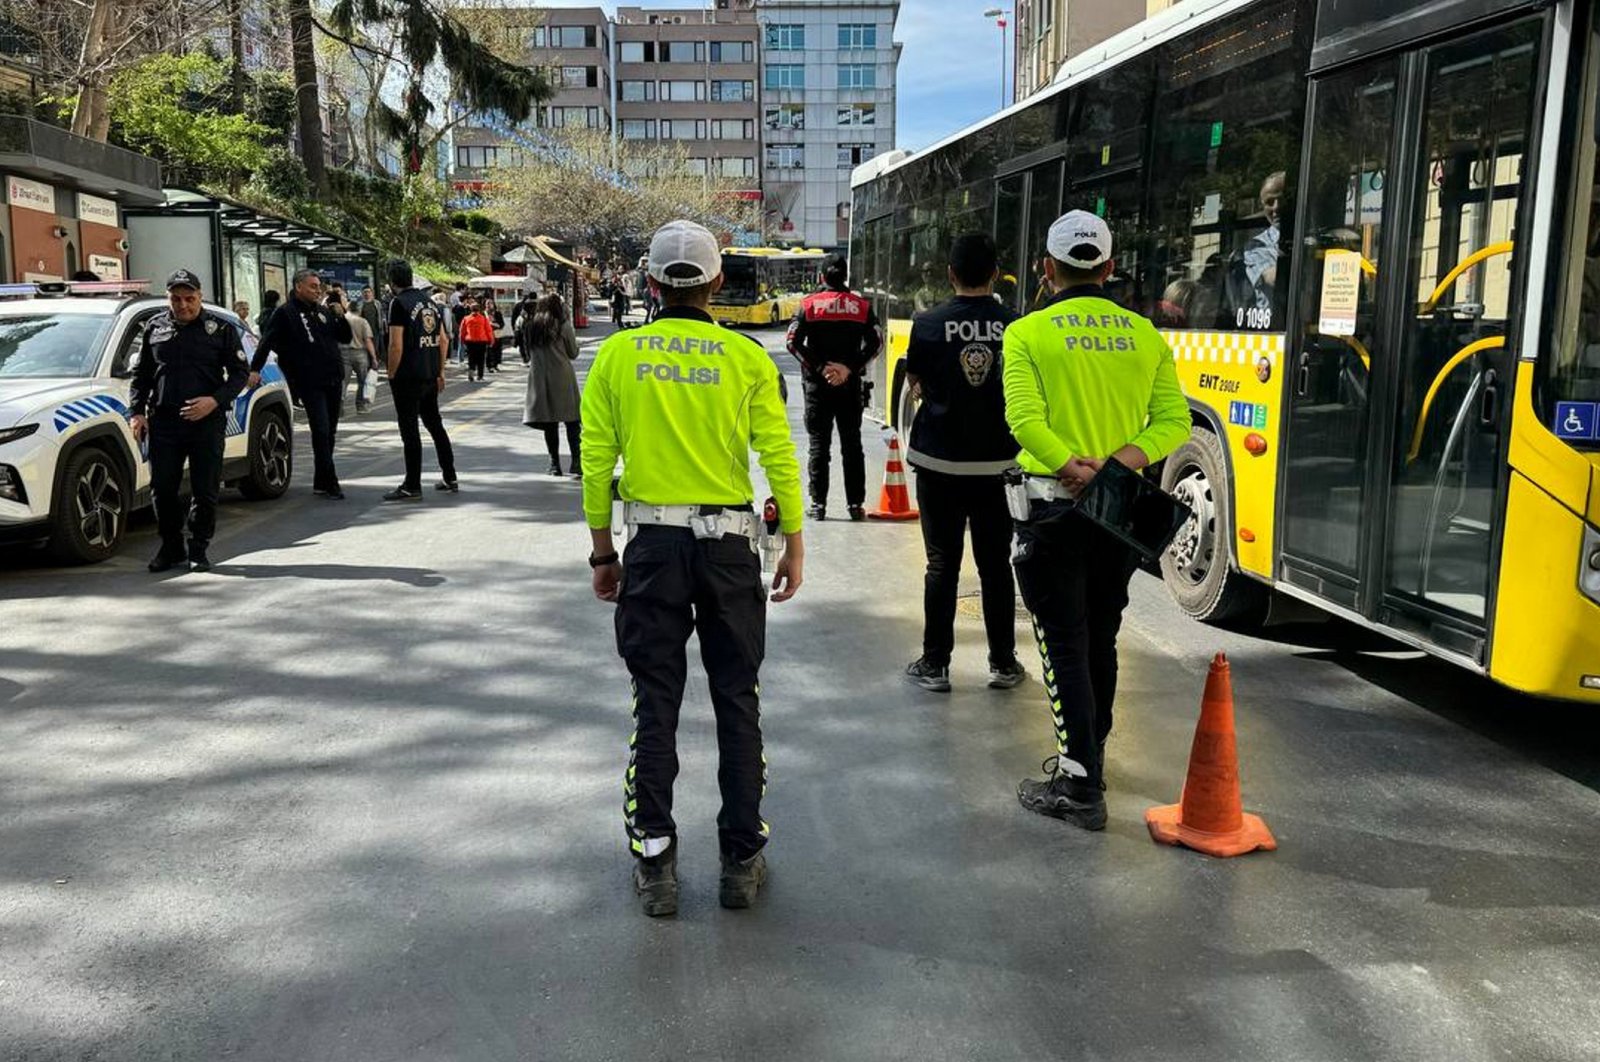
column 271, row 457
column 90, row 514
column 1198, row 566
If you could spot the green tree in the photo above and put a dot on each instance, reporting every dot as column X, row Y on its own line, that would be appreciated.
column 167, row 107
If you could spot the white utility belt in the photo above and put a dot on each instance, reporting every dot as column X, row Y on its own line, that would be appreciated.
column 1023, row 490
column 716, row 524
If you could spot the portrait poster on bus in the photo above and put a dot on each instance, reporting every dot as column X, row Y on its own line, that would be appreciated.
column 1341, row 293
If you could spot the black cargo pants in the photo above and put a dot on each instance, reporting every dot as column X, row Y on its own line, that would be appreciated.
column 1074, row 581
column 827, row 406
column 174, row 441
column 674, row 584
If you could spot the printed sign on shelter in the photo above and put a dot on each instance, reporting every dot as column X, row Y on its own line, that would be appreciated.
column 99, row 211
column 30, row 195
column 105, row 266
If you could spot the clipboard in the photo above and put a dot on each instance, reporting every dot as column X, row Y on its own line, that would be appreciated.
column 1133, row 509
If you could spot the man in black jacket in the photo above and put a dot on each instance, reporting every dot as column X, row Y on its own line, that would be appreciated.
column 835, row 334
column 306, row 335
column 191, row 370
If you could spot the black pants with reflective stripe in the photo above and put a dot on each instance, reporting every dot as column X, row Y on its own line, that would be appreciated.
column 949, row 505
column 1074, row 580
column 827, row 406
column 673, row 585
column 173, row 441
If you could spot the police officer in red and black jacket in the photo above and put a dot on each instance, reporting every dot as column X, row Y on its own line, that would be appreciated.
column 835, row 335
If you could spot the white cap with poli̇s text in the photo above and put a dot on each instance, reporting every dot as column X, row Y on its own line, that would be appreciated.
column 1080, row 239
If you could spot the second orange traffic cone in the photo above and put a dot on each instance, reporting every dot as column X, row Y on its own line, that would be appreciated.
column 1210, row 817
column 894, row 502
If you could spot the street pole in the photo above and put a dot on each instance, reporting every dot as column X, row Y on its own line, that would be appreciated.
column 999, row 15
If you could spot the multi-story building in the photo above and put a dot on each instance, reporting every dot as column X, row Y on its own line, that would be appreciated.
column 1049, row 32
column 828, row 104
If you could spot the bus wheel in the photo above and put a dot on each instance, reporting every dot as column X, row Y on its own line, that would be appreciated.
column 776, row 315
column 1198, row 566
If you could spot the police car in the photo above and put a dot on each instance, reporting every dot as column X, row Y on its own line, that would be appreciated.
column 71, row 471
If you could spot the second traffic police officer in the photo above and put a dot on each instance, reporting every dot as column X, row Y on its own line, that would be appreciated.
column 683, row 402
column 1085, row 382
column 189, row 374
column 835, row 334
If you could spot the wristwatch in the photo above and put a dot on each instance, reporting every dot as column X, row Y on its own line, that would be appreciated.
column 601, row 562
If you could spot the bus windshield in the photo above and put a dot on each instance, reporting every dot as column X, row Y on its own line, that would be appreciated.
column 740, row 281
column 51, row 344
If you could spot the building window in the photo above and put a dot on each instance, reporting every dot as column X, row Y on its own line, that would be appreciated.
column 733, row 91
column 857, row 75
column 731, row 129
column 858, row 35
column 858, row 114
column 695, row 167
column 683, row 51
column 638, row 129
column 638, row 91
column 786, row 157
column 638, row 51
column 683, row 91
column 579, row 77
column 683, row 129
column 733, row 52
column 852, row 155
column 786, row 37
column 741, row 167
column 791, row 76
column 784, row 116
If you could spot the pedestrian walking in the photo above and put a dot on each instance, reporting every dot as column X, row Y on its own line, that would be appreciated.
column 553, row 398
column 191, row 370
column 476, row 334
column 502, row 334
column 683, row 402
column 521, row 316
column 241, row 310
column 835, row 334
column 306, row 336
column 360, row 356
column 619, row 303
column 959, row 446
column 416, row 347
column 269, row 302
column 371, row 311
column 1086, row 382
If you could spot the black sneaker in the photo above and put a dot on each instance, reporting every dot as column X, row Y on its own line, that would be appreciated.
column 858, row 513
column 935, row 677
column 554, row 469
column 198, row 561
column 656, row 882
column 1007, row 675
column 817, row 512
column 1081, row 803
column 331, row 493
column 453, row 486
column 402, row 494
column 166, row 559
column 741, row 880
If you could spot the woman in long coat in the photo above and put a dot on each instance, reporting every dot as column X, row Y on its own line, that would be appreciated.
column 552, row 384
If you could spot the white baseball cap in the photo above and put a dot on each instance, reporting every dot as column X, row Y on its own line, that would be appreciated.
column 684, row 243
column 1080, row 239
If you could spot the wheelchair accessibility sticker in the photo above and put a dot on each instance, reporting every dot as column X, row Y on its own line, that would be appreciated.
column 1248, row 414
column 1576, row 420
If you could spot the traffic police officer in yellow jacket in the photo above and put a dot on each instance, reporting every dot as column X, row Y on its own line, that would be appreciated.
column 1086, row 381
column 683, row 402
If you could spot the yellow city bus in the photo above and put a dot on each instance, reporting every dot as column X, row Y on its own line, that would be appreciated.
column 1365, row 227
column 764, row 285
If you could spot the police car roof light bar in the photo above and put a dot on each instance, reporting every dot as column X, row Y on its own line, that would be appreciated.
column 56, row 289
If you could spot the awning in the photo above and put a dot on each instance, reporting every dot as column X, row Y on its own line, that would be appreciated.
column 241, row 222
column 541, row 246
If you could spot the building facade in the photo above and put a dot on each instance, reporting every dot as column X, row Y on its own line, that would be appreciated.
column 1049, row 32
column 828, row 104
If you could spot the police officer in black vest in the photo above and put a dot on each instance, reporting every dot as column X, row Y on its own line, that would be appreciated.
column 306, row 335
column 190, row 372
column 416, row 344
column 960, row 444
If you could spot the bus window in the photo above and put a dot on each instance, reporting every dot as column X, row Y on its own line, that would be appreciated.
column 1222, row 172
column 1572, row 361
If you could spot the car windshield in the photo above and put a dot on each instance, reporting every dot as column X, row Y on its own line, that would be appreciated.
column 51, row 344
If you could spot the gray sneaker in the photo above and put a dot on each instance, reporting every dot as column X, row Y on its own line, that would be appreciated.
column 1007, row 675
column 932, row 677
column 741, row 880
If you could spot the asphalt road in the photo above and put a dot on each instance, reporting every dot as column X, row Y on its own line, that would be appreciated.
column 355, row 795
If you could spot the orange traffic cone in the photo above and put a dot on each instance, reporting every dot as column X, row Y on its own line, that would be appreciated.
column 1209, row 817
column 894, row 503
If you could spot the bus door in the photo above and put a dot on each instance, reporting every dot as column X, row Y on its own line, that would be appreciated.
column 1401, row 364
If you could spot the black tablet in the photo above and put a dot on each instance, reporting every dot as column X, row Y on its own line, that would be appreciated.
column 1133, row 509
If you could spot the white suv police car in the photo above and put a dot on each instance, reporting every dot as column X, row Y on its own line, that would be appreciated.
column 71, row 471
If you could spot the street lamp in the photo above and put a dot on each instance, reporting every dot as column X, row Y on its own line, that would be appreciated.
column 1000, row 15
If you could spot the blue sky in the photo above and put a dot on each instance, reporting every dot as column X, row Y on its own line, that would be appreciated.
column 949, row 69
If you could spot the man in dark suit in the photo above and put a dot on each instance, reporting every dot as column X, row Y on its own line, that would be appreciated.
column 306, row 335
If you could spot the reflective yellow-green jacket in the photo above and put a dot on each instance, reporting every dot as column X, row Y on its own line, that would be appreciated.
column 683, row 402
column 1084, row 378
